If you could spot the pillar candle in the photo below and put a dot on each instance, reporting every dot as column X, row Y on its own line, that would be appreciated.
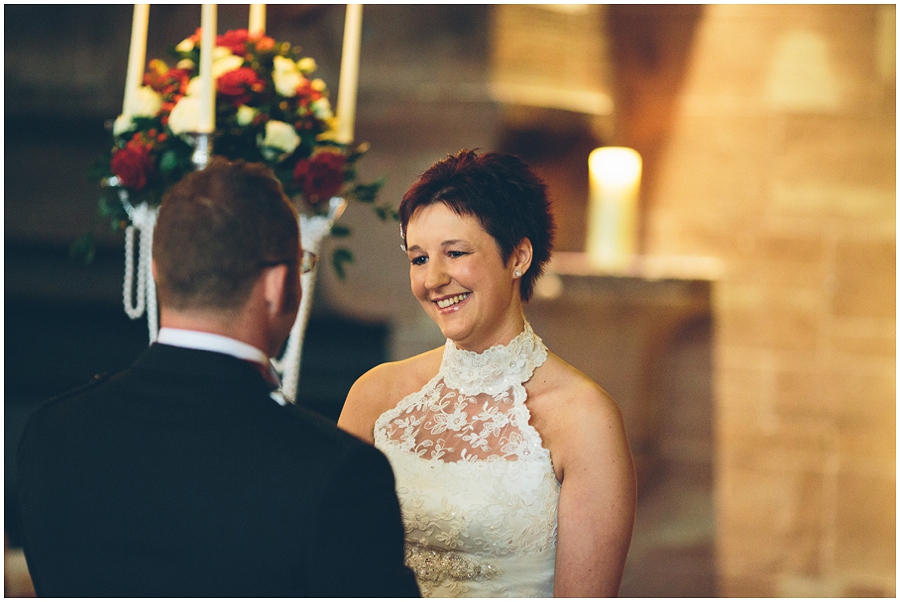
column 615, row 178
column 207, row 118
column 257, row 18
column 137, row 54
column 346, row 105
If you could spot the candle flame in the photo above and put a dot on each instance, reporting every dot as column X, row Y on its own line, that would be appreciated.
column 615, row 165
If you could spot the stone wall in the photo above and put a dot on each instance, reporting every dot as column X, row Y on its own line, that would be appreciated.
column 778, row 157
column 768, row 135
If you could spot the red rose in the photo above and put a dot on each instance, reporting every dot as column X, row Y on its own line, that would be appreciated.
column 306, row 93
column 235, row 40
column 238, row 83
column 132, row 165
column 321, row 177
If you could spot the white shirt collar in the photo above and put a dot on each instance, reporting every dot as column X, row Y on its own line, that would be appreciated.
column 207, row 341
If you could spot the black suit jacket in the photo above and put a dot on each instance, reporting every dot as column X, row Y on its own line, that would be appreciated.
column 182, row 477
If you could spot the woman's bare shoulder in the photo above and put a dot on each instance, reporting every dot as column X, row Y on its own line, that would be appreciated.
column 572, row 412
column 570, row 389
column 382, row 387
column 391, row 378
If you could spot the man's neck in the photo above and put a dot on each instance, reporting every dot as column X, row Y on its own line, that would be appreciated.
column 229, row 324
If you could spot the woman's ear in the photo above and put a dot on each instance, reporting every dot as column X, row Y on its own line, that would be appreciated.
column 521, row 257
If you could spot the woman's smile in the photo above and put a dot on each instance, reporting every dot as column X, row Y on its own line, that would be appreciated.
column 452, row 303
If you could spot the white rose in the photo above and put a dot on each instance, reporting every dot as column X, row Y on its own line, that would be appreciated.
column 185, row 45
column 322, row 109
column 185, row 64
column 122, row 124
column 193, row 87
column 185, row 115
column 220, row 52
column 145, row 103
column 280, row 141
column 246, row 115
column 307, row 65
column 223, row 65
column 287, row 82
column 282, row 64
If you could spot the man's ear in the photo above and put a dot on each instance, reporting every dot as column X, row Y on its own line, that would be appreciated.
column 522, row 255
column 274, row 284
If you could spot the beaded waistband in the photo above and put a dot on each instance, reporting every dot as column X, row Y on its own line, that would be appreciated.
column 434, row 567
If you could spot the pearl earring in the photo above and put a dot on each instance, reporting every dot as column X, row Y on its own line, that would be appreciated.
column 518, row 273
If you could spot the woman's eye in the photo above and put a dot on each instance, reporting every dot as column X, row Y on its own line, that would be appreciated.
column 420, row 260
column 455, row 254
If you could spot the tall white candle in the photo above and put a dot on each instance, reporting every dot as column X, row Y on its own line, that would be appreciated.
column 257, row 18
column 615, row 179
column 137, row 54
column 207, row 120
column 346, row 105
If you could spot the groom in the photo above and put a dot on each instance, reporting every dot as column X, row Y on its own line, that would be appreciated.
column 183, row 476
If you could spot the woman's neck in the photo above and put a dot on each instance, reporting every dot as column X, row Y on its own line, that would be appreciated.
column 502, row 334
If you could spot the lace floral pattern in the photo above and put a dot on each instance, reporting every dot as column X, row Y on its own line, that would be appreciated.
column 474, row 408
column 476, row 485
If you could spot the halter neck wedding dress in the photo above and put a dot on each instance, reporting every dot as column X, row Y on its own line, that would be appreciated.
column 477, row 489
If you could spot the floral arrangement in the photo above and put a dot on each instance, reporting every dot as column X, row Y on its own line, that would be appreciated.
column 268, row 109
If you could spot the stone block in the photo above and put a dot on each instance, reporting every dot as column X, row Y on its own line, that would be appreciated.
column 777, row 319
column 865, row 279
column 868, row 338
column 770, row 521
column 720, row 160
column 781, row 259
column 866, row 525
column 835, row 167
column 862, row 394
column 741, row 397
column 797, row 391
column 740, row 74
column 869, row 449
column 747, row 586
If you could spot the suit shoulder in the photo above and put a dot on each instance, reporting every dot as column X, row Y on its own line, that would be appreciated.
column 325, row 430
column 52, row 415
column 95, row 381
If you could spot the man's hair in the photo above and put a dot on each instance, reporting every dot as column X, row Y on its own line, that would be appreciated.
column 217, row 229
column 502, row 192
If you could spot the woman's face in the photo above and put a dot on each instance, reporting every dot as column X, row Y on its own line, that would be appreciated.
column 457, row 274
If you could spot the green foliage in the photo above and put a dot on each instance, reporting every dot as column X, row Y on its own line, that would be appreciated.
column 339, row 259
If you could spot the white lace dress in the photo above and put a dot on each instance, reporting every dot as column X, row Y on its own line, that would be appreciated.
column 477, row 489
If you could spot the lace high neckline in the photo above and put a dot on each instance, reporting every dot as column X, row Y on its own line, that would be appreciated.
column 496, row 369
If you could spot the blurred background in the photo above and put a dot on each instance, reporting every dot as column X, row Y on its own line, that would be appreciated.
column 751, row 342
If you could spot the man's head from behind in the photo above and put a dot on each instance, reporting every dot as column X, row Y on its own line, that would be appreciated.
column 219, row 230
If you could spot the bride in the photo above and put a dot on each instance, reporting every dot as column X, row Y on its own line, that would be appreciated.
column 512, row 467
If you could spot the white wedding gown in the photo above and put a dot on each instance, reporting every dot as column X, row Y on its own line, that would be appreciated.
column 477, row 489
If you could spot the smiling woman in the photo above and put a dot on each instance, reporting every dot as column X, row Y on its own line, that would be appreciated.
column 460, row 279
column 513, row 469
